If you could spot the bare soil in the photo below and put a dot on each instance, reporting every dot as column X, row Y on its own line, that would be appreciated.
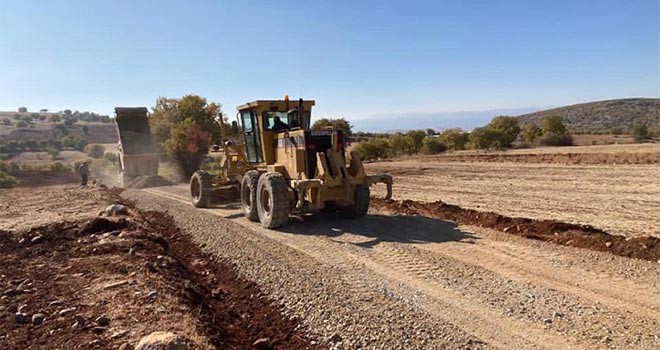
column 581, row 236
column 100, row 282
column 620, row 199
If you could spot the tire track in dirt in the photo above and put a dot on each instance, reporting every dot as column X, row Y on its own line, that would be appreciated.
column 396, row 267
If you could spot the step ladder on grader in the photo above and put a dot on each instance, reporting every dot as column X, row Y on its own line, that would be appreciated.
column 283, row 167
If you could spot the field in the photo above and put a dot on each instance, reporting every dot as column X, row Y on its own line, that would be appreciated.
column 622, row 199
column 549, row 248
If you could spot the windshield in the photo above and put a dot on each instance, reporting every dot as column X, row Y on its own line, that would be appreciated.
column 276, row 121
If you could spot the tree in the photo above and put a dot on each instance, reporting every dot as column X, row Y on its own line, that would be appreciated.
column 75, row 142
column 187, row 145
column 43, row 110
column 22, row 109
column 641, row 132
column 59, row 131
column 454, row 139
column 22, row 124
column 67, row 112
column 69, row 121
column 432, row 145
column 373, row 149
column 416, row 140
column 430, row 132
column 85, row 130
column 339, row 123
column 554, row 124
column 6, row 121
column 506, row 128
column 530, row 132
column 54, row 118
column 552, row 139
column 399, row 144
column 485, row 138
column 95, row 151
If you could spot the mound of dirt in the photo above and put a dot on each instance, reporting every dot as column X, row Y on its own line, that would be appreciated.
column 147, row 181
column 105, row 282
column 582, row 236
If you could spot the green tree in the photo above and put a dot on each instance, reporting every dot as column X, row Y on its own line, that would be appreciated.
column 416, row 140
column 85, row 129
column 641, row 132
column 506, row 128
column 22, row 124
column 339, row 123
column 530, row 132
column 22, row 109
column 455, row 139
column 431, row 145
column 95, row 151
column 485, row 138
column 554, row 124
column 373, row 149
column 6, row 180
column 59, row 131
column 399, row 144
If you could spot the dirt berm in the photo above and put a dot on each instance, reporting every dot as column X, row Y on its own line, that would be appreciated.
column 107, row 281
column 581, row 236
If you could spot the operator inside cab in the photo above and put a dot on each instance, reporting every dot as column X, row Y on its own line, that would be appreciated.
column 278, row 124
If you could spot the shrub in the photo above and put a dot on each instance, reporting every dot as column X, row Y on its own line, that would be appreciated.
column 54, row 118
column 373, row 149
column 6, row 180
column 485, row 138
column 552, row 139
column 554, row 124
column 455, row 139
column 641, row 133
column 432, row 145
column 54, row 153
column 22, row 124
column 507, row 130
column 59, row 167
column 6, row 121
column 95, row 151
column 530, row 132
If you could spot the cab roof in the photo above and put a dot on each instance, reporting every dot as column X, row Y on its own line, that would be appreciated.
column 278, row 104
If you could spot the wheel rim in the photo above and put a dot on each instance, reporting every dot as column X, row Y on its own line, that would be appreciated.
column 265, row 200
column 194, row 189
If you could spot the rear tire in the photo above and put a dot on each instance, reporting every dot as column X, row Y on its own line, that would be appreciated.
column 361, row 205
column 200, row 189
column 273, row 200
column 249, row 195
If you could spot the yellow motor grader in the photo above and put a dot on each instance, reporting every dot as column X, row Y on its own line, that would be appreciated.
column 284, row 167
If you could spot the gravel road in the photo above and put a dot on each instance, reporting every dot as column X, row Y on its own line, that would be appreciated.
column 401, row 282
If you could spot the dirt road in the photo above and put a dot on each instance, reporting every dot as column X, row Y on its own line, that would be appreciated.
column 621, row 199
column 403, row 282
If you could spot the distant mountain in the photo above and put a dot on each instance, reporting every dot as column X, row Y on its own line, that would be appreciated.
column 391, row 122
column 601, row 116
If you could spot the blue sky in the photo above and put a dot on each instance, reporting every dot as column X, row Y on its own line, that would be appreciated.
column 356, row 58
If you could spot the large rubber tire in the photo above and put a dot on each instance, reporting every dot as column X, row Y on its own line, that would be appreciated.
column 249, row 195
column 361, row 205
column 200, row 189
column 273, row 200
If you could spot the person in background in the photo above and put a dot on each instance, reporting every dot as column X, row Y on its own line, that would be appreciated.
column 83, row 170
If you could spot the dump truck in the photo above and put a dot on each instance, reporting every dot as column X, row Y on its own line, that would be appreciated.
column 138, row 155
column 282, row 166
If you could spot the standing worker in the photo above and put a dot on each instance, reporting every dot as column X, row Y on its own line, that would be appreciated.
column 83, row 170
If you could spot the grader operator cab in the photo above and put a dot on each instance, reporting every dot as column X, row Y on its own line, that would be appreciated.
column 284, row 167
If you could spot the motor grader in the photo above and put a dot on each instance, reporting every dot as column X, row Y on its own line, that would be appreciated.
column 283, row 167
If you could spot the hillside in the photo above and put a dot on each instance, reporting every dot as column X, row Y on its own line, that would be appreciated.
column 601, row 116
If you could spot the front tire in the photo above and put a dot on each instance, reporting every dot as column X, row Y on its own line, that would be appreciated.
column 360, row 206
column 200, row 189
column 249, row 202
column 273, row 200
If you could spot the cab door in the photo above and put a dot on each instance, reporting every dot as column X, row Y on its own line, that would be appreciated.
column 252, row 136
